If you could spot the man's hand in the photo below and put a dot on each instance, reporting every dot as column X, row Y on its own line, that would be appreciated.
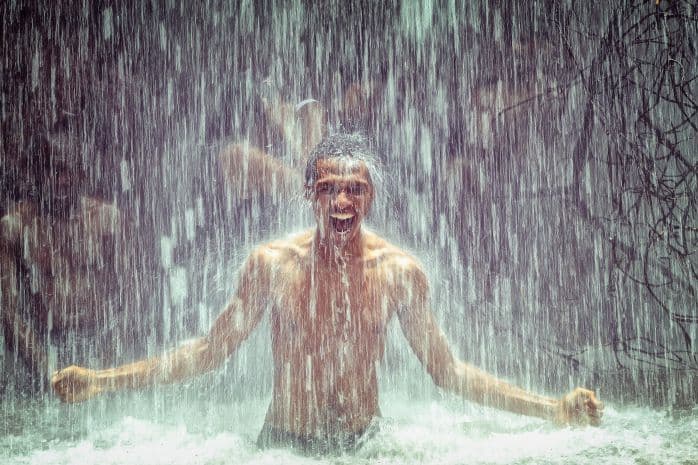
column 75, row 384
column 579, row 407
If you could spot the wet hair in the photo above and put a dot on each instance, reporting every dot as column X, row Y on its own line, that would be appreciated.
column 350, row 146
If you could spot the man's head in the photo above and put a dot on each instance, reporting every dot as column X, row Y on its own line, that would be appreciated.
column 58, row 169
column 339, row 181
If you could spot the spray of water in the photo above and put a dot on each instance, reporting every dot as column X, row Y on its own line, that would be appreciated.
column 538, row 159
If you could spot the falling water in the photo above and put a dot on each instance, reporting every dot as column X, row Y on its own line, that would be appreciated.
column 538, row 159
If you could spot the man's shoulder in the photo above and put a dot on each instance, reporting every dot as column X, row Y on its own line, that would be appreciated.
column 100, row 214
column 17, row 217
column 294, row 246
column 95, row 204
column 387, row 254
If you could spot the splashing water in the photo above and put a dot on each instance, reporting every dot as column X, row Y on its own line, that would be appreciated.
column 413, row 431
column 537, row 157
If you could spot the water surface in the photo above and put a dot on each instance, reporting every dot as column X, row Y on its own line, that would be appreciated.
column 136, row 429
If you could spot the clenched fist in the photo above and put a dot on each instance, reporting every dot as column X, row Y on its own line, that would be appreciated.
column 75, row 384
column 579, row 407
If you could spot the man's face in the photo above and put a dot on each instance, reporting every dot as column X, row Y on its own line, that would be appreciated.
column 62, row 174
column 63, row 180
column 341, row 199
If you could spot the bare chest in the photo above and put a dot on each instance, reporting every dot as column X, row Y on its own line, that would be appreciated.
column 332, row 313
column 70, row 268
column 63, row 246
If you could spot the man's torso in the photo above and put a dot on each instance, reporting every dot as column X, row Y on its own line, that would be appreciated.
column 328, row 326
column 68, row 263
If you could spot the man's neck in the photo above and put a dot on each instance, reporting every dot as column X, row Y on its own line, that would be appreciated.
column 331, row 252
column 59, row 209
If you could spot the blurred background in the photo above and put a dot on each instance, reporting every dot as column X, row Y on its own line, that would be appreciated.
column 538, row 157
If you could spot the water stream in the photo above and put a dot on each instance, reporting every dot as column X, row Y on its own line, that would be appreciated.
column 538, row 159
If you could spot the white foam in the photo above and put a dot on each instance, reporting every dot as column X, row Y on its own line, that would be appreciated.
column 412, row 432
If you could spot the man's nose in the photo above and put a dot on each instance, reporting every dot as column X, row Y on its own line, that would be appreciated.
column 342, row 200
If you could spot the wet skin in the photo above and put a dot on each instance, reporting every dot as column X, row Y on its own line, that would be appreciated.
column 331, row 292
column 71, row 261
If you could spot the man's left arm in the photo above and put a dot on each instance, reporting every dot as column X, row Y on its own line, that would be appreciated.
column 431, row 347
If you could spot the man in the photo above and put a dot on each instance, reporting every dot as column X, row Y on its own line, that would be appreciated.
column 331, row 292
column 62, row 283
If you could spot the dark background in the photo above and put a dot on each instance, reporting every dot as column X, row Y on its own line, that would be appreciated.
column 539, row 158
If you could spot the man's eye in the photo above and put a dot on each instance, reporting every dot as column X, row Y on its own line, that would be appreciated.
column 356, row 189
column 323, row 189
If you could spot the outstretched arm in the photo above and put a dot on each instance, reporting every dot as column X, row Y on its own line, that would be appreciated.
column 431, row 347
column 236, row 322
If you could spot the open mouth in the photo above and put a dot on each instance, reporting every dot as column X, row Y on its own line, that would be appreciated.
column 342, row 222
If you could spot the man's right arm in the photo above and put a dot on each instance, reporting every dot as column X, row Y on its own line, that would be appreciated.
column 431, row 347
column 236, row 322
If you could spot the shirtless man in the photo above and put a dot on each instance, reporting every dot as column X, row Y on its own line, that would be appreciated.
column 60, row 281
column 331, row 292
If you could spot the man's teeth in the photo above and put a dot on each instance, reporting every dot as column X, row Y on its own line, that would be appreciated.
column 341, row 216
